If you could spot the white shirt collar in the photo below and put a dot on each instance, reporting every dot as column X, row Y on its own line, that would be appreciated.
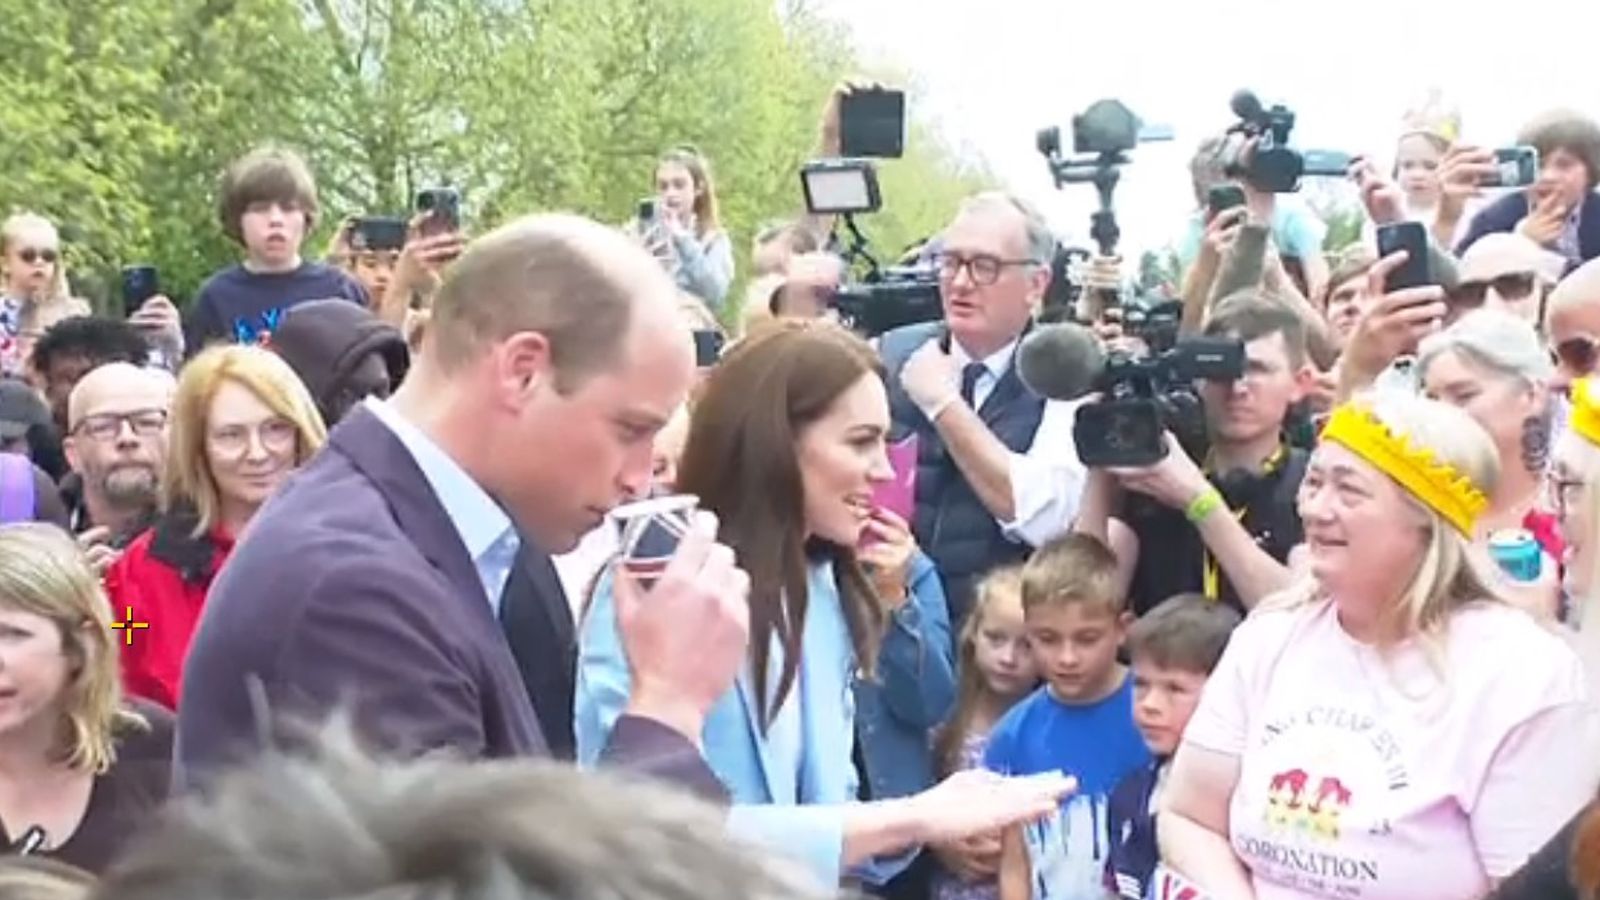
column 995, row 362
column 478, row 519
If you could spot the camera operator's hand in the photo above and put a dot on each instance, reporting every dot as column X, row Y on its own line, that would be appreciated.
column 1547, row 216
column 1173, row 482
column 1102, row 273
column 1116, row 339
column 931, row 377
column 1221, row 232
column 1392, row 326
column 1381, row 196
column 830, row 141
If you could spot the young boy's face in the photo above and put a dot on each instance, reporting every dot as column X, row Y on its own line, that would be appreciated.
column 273, row 231
column 1075, row 646
column 1163, row 701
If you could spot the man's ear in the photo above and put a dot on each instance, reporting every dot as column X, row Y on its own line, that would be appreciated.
column 1305, row 381
column 69, row 446
column 523, row 366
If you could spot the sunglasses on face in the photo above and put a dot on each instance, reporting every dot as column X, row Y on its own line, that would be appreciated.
column 1512, row 286
column 31, row 255
column 1578, row 354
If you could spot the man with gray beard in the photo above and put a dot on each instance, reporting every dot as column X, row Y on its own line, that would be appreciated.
column 116, row 444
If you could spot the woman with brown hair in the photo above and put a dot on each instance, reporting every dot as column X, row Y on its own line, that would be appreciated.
column 80, row 770
column 785, row 447
column 685, row 232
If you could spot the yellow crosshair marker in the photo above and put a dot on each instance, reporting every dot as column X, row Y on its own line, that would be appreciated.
column 128, row 626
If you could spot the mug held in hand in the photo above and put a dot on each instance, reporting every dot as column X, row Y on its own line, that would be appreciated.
column 651, row 530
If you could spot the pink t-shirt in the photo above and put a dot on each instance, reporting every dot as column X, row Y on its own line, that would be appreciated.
column 1363, row 776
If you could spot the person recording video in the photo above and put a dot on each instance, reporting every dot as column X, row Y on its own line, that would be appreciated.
column 997, row 473
column 1223, row 527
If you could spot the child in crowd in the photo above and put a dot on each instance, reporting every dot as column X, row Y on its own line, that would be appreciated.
column 1173, row 647
column 995, row 670
column 267, row 202
column 1080, row 722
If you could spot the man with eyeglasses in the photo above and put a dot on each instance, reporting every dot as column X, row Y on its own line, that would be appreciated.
column 117, row 446
column 1573, row 325
column 1506, row 271
column 997, row 472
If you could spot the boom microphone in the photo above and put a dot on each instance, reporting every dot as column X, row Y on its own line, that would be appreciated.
column 1246, row 105
column 1060, row 362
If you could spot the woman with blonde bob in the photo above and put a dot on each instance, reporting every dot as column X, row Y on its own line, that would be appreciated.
column 1390, row 705
column 80, row 770
column 242, row 422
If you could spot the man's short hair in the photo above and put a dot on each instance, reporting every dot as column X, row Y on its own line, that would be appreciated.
column 1564, row 129
column 42, row 878
column 1072, row 568
column 340, row 826
column 568, row 278
column 1186, row 632
column 1040, row 240
column 1249, row 315
column 93, row 338
column 265, row 175
column 1354, row 262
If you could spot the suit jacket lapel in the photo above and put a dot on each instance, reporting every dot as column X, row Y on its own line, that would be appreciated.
column 375, row 450
column 780, row 785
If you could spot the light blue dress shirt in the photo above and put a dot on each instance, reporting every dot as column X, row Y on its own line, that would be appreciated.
column 485, row 529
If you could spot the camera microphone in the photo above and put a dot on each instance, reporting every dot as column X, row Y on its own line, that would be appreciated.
column 1246, row 105
column 1060, row 362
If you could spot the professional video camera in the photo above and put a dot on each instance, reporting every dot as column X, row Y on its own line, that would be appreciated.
column 1140, row 396
column 881, row 297
column 1272, row 165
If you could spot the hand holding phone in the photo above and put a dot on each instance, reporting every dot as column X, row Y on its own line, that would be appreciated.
column 441, row 207
column 1223, row 197
column 139, row 283
column 1416, row 270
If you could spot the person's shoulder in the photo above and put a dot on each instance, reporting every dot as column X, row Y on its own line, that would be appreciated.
column 222, row 279
column 1502, row 643
column 1018, row 718
column 148, row 738
column 902, row 340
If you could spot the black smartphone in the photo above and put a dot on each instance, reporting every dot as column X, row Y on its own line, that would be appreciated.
column 647, row 212
column 1514, row 167
column 1411, row 237
column 707, row 347
column 443, row 206
column 139, row 283
column 378, row 233
column 873, row 123
column 1223, row 197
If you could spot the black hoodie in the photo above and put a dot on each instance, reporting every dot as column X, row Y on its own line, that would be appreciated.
column 325, row 340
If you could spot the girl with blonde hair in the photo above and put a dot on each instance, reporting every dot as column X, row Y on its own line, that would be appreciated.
column 80, row 769
column 1390, row 702
column 33, row 287
column 241, row 423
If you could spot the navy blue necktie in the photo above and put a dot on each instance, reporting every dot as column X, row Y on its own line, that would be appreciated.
column 970, row 374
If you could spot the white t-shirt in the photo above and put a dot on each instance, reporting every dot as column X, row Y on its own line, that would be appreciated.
column 1363, row 776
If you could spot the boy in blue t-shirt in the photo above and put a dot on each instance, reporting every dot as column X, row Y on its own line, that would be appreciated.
column 267, row 202
column 1173, row 647
column 1080, row 722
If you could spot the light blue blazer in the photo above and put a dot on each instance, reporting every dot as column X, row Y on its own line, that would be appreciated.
column 789, row 793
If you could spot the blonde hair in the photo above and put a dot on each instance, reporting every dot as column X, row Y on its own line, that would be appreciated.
column 1448, row 576
column 999, row 585
column 188, row 477
column 1072, row 568
column 43, row 573
column 15, row 226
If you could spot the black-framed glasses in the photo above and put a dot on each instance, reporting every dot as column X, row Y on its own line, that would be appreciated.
column 1577, row 354
column 31, row 255
column 108, row 426
column 1511, row 286
column 982, row 269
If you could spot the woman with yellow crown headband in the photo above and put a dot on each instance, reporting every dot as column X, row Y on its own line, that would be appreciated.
column 1389, row 728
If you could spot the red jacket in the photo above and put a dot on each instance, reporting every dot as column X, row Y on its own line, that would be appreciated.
column 162, row 580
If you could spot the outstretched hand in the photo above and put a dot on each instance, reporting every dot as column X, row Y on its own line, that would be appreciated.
column 977, row 801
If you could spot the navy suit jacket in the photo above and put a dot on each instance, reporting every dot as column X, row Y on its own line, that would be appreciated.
column 352, row 590
column 1504, row 214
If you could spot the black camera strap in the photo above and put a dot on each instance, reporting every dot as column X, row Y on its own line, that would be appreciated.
column 1239, row 488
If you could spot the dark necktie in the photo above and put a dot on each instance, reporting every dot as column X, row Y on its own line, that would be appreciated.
column 539, row 627
column 969, row 381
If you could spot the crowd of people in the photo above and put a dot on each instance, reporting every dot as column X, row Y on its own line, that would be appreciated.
column 332, row 585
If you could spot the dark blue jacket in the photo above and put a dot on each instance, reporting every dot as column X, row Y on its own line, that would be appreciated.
column 913, row 691
column 1131, row 834
column 1504, row 214
column 951, row 524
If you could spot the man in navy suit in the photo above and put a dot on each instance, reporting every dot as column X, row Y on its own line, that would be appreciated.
column 374, row 581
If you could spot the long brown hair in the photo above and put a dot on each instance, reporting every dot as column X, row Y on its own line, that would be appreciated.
column 740, row 460
column 970, row 684
column 706, row 215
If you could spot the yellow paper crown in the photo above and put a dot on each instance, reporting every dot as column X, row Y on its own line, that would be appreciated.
column 1433, row 116
column 1430, row 479
column 1585, row 418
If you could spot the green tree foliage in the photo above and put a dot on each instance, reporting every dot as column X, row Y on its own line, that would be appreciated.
column 120, row 116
